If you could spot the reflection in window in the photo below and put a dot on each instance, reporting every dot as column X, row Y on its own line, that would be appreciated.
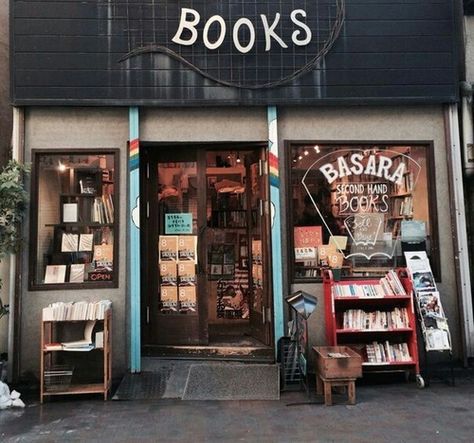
column 76, row 219
column 357, row 208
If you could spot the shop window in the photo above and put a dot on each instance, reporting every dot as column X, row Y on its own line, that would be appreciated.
column 74, row 213
column 357, row 208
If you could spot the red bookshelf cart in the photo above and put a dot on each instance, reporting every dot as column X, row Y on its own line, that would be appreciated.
column 339, row 332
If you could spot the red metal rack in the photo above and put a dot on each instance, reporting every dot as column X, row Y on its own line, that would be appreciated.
column 357, row 339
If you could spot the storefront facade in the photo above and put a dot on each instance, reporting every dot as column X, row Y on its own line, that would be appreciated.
column 177, row 165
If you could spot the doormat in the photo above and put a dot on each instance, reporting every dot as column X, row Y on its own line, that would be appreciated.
column 233, row 382
column 143, row 386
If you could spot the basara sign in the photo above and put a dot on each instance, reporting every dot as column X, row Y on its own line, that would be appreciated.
column 236, row 43
column 371, row 193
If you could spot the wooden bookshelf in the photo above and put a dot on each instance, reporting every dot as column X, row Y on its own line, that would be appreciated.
column 50, row 334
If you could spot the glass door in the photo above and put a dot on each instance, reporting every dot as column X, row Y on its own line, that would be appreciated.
column 176, row 311
column 261, row 316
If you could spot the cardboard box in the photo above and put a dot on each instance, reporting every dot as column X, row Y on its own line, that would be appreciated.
column 338, row 362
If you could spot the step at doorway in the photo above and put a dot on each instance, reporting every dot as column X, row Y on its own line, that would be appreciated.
column 200, row 380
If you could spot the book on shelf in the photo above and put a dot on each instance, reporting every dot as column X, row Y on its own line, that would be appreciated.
column 85, row 242
column 376, row 320
column 86, row 343
column 69, row 242
column 55, row 274
column 389, row 285
column 387, row 352
column 53, row 346
column 69, row 212
column 76, row 273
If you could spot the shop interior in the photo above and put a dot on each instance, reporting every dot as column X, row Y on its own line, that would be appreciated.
column 228, row 246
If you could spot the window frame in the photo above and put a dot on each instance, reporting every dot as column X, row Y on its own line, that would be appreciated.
column 431, row 191
column 34, row 212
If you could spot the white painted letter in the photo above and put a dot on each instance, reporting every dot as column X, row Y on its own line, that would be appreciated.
column 357, row 167
column 270, row 32
column 343, row 168
column 235, row 35
column 329, row 172
column 302, row 25
column 397, row 176
column 185, row 24
column 370, row 168
column 385, row 164
column 205, row 37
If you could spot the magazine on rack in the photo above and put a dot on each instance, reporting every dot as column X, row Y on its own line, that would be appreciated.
column 434, row 323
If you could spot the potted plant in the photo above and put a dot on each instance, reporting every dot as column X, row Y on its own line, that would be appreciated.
column 13, row 200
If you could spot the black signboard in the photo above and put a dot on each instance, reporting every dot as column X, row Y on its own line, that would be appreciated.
column 191, row 52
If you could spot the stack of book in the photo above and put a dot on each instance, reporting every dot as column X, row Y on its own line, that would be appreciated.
column 81, row 310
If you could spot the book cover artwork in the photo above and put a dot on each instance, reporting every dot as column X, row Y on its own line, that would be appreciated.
column 169, row 298
column 168, row 248
column 187, row 248
column 187, row 297
column 168, row 274
column 187, row 274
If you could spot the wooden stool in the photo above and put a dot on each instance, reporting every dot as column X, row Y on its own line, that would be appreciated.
column 327, row 384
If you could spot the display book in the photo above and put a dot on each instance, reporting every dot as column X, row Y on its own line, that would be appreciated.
column 83, row 237
column 375, row 317
column 178, row 279
column 93, row 320
column 312, row 256
column 433, row 321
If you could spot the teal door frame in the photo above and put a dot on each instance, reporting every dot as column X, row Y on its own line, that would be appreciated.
column 133, row 237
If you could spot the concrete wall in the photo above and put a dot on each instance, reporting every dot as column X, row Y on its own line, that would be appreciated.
column 62, row 128
column 5, row 108
column 382, row 124
column 469, row 45
column 59, row 128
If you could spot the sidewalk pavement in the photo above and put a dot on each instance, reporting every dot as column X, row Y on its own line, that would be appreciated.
column 383, row 413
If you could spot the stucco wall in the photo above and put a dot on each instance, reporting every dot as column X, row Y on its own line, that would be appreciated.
column 66, row 128
column 382, row 124
column 62, row 128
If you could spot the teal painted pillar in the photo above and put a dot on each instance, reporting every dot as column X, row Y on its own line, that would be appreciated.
column 133, row 217
column 276, row 223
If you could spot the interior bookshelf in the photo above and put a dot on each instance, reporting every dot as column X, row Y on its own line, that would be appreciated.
column 375, row 317
column 57, row 371
column 76, row 244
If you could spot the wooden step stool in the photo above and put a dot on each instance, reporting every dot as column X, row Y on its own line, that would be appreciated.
column 326, row 385
column 337, row 366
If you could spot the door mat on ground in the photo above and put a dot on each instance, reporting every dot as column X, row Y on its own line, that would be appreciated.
column 143, row 386
column 232, row 382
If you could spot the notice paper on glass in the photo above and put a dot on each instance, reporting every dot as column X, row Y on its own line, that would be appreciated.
column 168, row 248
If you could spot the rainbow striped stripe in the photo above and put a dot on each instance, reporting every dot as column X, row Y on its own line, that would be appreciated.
column 134, row 154
column 274, row 174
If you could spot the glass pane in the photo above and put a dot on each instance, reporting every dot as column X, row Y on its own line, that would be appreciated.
column 357, row 208
column 75, row 236
column 177, row 244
